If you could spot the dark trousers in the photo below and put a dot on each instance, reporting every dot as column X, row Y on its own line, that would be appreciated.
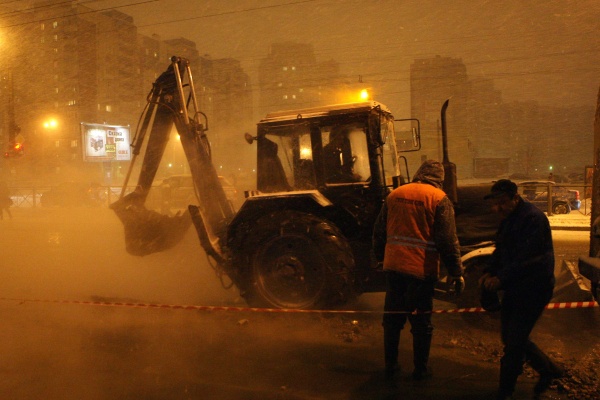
column 518, row 317
column 408, row 294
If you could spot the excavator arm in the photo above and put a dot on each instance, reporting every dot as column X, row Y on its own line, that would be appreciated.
column 172, row 102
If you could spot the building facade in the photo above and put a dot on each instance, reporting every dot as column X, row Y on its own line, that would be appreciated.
column 290, row 77
column 490, row 138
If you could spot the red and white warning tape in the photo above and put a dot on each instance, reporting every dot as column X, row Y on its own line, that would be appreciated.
column 551, row 306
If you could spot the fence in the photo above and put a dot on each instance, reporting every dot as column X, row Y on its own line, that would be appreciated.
column 32, row 196
column 585, row 196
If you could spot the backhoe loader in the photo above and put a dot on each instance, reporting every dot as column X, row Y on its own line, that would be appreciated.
column 302, row 237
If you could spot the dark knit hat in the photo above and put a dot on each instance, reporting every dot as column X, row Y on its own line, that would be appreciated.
column 501, row 188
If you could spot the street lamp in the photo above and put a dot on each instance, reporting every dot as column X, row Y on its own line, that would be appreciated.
column 50, row 124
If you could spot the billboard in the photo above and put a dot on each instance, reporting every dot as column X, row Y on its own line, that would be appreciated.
column 105, row 142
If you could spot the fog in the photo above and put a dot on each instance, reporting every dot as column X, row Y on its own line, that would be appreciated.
column 62, row 269
column 543, row 55
column 55, row 346
column 538, row 50
column 81, row 251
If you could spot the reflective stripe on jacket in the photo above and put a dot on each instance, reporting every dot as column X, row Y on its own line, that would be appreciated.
column 410, row 246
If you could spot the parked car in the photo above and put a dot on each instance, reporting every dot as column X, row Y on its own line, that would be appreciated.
column 563, row 200
column 177, row 191
column 68, row 194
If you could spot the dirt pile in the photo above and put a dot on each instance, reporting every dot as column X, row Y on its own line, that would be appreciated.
column 580, row 381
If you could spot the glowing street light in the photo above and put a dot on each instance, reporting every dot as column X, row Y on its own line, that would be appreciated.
column 50, row 124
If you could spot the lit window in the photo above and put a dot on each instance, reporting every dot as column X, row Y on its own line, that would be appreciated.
column 293, row 68
column 285, row 68
column 55, row 90
column 42, row 26
column 155, row 54
column 55, row 37
column 285, row 96
column 108, row 108
column 74, row 143
column 301, row 90
column 293, row 96
column 55, row 50
column 280, row 84
column 55, row 24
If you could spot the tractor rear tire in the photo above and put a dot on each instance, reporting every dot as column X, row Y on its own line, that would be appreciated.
column 298, row 261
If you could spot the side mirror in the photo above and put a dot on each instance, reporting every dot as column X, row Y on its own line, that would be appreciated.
column 408, row 134
column 249, row 138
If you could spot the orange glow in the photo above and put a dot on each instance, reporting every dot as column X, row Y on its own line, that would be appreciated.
column 50, row 124
column 353, row 95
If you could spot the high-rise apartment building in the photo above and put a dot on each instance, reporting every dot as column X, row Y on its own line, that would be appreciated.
column 291, row 77
column 490, row 138
column 433, row 81
column 65, row 63
column 68, row 66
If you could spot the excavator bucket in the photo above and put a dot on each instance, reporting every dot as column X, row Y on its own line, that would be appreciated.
column 147, row 231
column 172, row 103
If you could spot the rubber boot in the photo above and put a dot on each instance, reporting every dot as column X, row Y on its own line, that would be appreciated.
column 508, row 380
column 391, row 341
column 547, row 369
column 421, row 346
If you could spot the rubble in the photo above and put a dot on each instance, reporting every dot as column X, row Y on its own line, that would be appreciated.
column 580, row 381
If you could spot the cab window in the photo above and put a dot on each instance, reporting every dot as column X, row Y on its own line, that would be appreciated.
column 345, row 154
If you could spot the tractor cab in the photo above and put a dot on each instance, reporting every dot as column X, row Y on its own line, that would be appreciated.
column 342, row 145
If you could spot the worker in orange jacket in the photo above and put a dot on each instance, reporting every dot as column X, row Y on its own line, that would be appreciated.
column 414, row 231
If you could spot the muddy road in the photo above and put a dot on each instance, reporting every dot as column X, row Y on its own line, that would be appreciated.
column 58, row 341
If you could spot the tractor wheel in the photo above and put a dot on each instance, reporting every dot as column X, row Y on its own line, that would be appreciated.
column 298, row 261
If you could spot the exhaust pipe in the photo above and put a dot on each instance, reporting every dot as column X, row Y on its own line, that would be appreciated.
column 450, row 180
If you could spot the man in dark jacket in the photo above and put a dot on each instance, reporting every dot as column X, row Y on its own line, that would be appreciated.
column 523, row 267
column 414, row 231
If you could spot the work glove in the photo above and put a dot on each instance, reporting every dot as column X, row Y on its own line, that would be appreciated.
column 457, row 284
